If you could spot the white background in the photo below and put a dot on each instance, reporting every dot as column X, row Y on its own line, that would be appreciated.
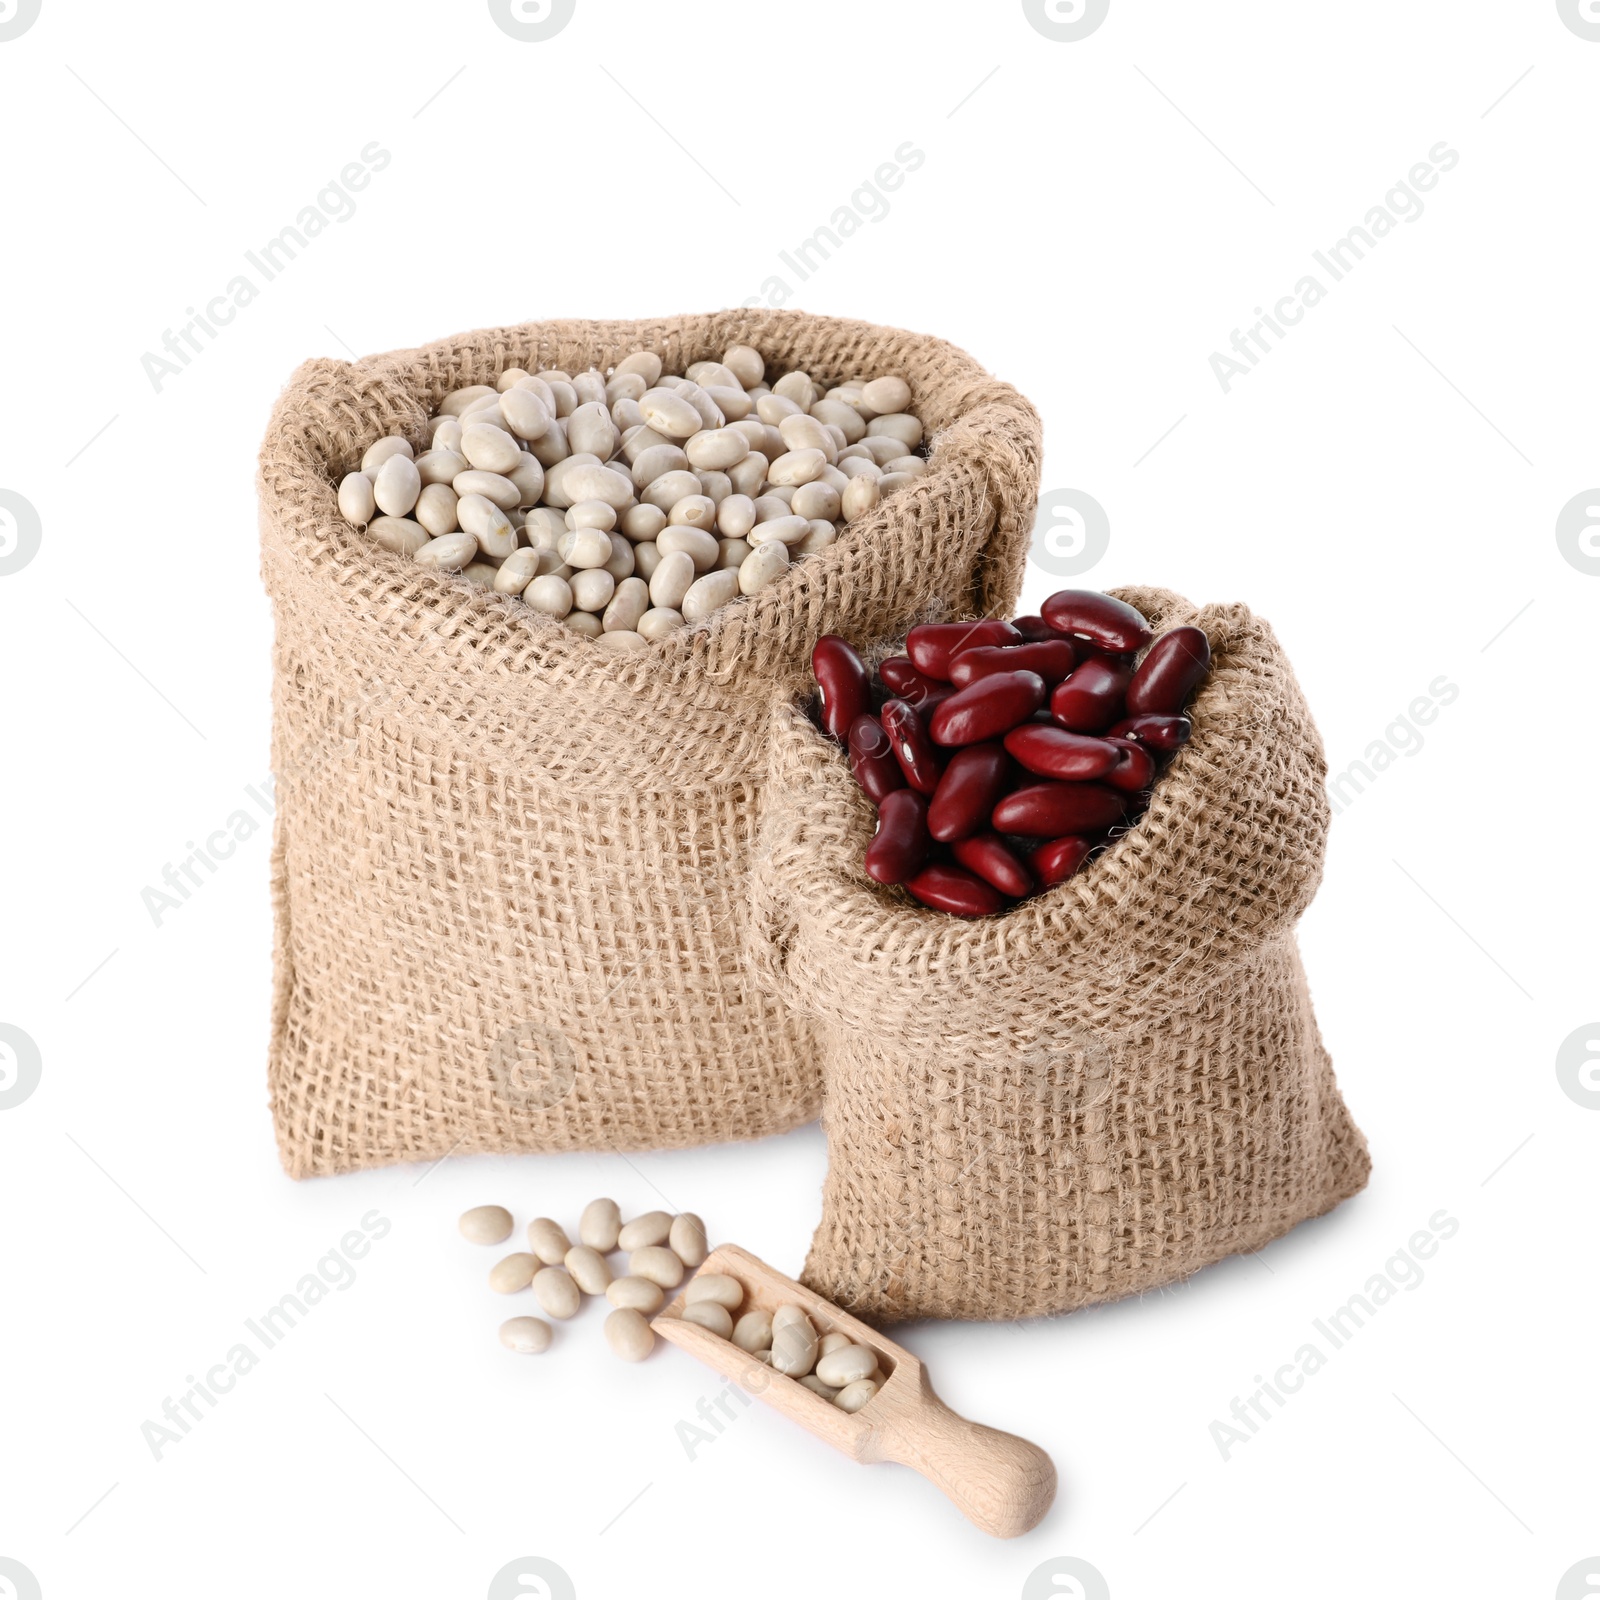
column 1092, row 221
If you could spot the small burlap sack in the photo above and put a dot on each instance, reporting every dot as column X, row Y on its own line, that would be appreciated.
column 1100, row 1090
column 510, row 870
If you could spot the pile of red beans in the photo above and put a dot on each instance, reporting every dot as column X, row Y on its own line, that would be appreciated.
column 1002, row 755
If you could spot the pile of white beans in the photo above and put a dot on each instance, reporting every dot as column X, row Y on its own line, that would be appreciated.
column 631, row 506
column 660, row 1249
column 830, row 1364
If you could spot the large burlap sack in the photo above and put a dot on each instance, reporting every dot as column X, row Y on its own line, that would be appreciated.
column 510, row 871
column 1100, row 1090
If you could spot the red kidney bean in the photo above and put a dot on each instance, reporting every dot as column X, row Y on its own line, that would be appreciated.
column 1052, row 659
column 1048, row 810
column 913, row 749
column 901, row 846
column 987, row 855
column 1136, row 770
column 954, row 889
column 1053, row 753
column 1056, row 861
column 1032, row 628
column 842, row 682
column 932, row 645
column 1156, row 733
column 872, row 759
column 1170, row 672
column 1099, row 618
column 1090, row 699
column 909, row 684
column 972, row 782
column 987, row 708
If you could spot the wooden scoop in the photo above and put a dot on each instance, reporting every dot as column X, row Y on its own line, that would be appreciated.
column 1000, row 1482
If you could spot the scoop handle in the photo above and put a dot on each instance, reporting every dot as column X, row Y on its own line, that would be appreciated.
column 1002, row 1484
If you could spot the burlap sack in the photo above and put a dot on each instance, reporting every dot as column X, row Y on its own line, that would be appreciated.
column 510, row 871
column 1101, row 1090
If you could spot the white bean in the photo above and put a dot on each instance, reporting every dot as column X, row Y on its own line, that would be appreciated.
column 628, row 1334
column 485, row 1225
column 860, row 497
column 592, row 589
column 590, row 1270
column 746, row 363
column 622, row 560
column 656, row 462
column 628, row 606
column 549, row 594
column 517, row 571
column 526, row 414
column 659, row 622
column 856, row 1395
column 847, row 1365
column 657, row 1264
column 390, row 445
column 488, row 525
column 654, row 1227
column 500, row 490
column 671, row 487
column 734, row 554
column 599, row 1225
column 556, row 1293
column 449, row 554
column 397, row 485
column 899, row 425
column 548, row 1240
column 585, row 547
column 590, row 428
column 713, row 1318
column 837, row 414
column 886, row 395
column 820, row 534
column 768, row 561
column 669, row 413
column 701, row 547
column 458, row 400
column 688, row 1239
column 709, row 594
column 401, row 535
column 645, row 362
column 794, row 1341
column 717, row 449
column 436, row 508
column 642, row 523
column 639, row 1294
column 489, row 448
column 753, row 1331
column 512, row 1273
column 592, row 514
column 672, row 579
column 717, row 1287
column 796, row 467
column 528, row 1336
column 693, row 511
column 356, row 502
column 646, row 558
column 786, row 529
column 584, row 622
column 597, row 483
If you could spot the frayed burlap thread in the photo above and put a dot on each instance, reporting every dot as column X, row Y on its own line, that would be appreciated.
column 1101, row 1090
column 510, row 871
